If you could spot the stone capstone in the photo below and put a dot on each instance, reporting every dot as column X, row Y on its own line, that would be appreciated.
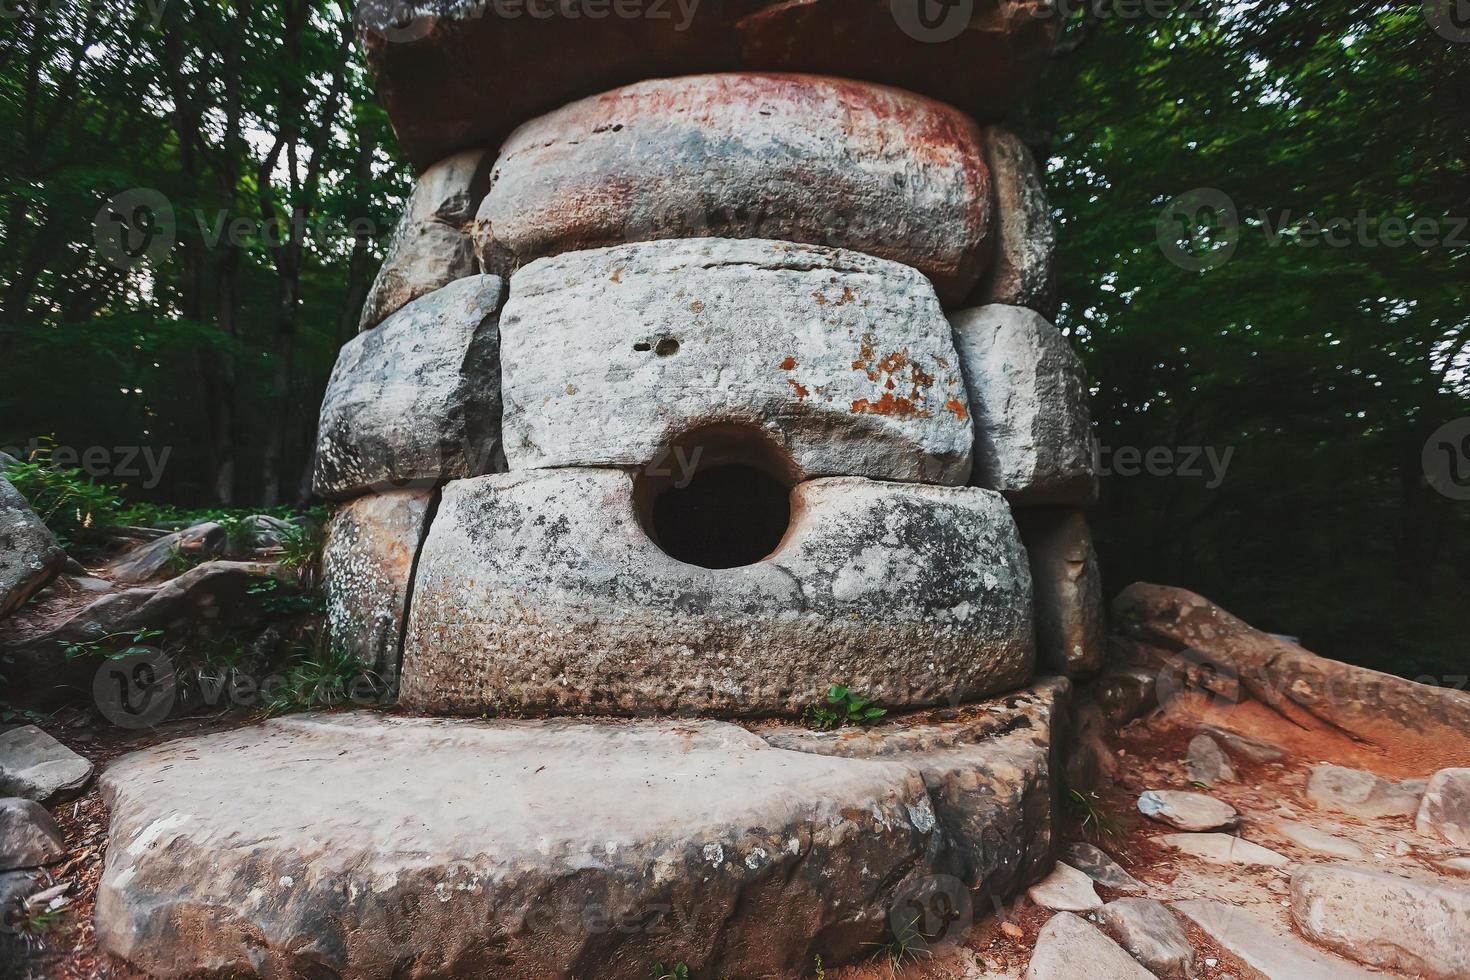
column 842, row 362
column 1363, row 794
column 1445, row 810
column 1023, row 272
column 1152, row 933
column 431, row 247
column 415, row 400
column 795, row 158
column 34, row 766
column 367, row 568
column 1067, row 581
column 1066, row 942
column 29, row 837
column 1187, row 811
column 29, row 554
column 1028, row 398
column 364, row 845
column 542, row 591
column 1066, row 890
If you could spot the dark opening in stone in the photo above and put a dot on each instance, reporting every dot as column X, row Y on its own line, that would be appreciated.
column 719, row 498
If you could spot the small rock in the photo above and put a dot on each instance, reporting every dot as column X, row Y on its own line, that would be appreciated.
column 1125, row 693
column 1318, row 842
column 1359, row 793
column 1151, row 933
column 1187, row 811
column 29, row 837
column 1012, row 930
column 1223, row 849
column 15, row 888
column 1065, row 890
column 35, row 766
column 1097, row 865
column 1454, row 865
column 1268, row 947
column 1066, row 943
column 1414, row 925
column 1207, row 763
column 1445, row 810
column 1244, row 746
column 171, row 554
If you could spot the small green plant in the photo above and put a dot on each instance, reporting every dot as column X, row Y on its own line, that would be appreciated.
column 301, row 552
column 113, row 646
column 70, row 503
column 286, row 600
column 178, row 560
column 319, row 676
column 240, row 533
column 905, row 944
column 1096, row 821
column 843, row 707
column 679, row 971
column 817, row 970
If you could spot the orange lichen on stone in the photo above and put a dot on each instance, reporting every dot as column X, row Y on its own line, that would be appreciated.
column 890, row 404
column 788, row 364
column 959, row 409
column 617, row 275
column 800, row 389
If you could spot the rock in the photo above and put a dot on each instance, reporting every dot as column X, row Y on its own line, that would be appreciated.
column 1065, row 890
column 1445, row 809
column 1126, row 693
column 1243, row 745
column 431, row 247
column 1187, row 811
column 1028, row 396
column 356, row 843
column 267, row 531
column 454, row 75
column 1455, row 865
column 29, row 554
column 1412, row 925
column 1314, row 840
column 415, row 400
column 840, row 363
column 15, row 888
column 1207, row 763
column 1151, row 933
column 367, row 564
column 1368, row 705
column 170, row 555
column 1223, row 849
column 1268, row 946
column 1023, row 273
column 1097, row 865
column 1360, row 793
column 1067, row 582
column 542, row 590
column 1091, row 763
column 794, row 158
column 29, row 837
column 34, row 766
column 1066, row 942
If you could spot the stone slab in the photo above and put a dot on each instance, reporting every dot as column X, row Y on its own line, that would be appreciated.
column 364, row 845
column 542, row 591
column 29, row 836
column 1066, row 577
column 794, row 158
column 842, row 361
column 35, row 766
column 1223, row 849
column 1024, row 271
column 1066, row 943
column 1444, row 813
column 1268, row 945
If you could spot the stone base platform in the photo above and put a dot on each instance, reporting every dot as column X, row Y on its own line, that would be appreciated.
column 366, row 845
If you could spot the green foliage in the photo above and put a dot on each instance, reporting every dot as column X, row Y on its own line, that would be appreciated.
column 301, row 552
column 320, row 676
column 70, row 503
column 678, row 971
column 115, row 646
column 240, row 534
column 905, row 944
column 843, row 707
column 286, row 600
column 1096, row 821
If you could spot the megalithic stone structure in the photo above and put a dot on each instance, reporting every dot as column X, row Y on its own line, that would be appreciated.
column 709, row 368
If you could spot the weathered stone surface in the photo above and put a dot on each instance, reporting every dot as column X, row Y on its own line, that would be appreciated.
column 1319, row 842
column 1187, row 811
column 431, row 247
column 34, row 766
column 1243, row 745
column 454, row 75
column 844, row 362
column 1066, row 942
column 541, row 590
column 1207, row 763
column 1023, row 273
column 1126, row 693
column 160, row 558
column 1066, row 890
column 362, row 844
column 29, row 837
column 1028, row 397
column 367, row 565
column 1149, row 931
column 1067, row 582
column 416, row 400
column 794, row 158
column 1097, row 865
column 1367, row 704
column 1269, row 946
column 29, row 554
column 1360, row 793
column 1414, row 925
column 1223, row 849
column 1445, row 810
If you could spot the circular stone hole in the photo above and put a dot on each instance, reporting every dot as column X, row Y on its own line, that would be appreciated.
column 667, row 347
column 717, row 500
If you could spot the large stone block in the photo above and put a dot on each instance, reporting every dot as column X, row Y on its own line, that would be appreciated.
column 1028, row 397
column 793, row 158
column 543, row 591
column 361, row 845
column 416, row 400
column 29, row 554
column 1066, row 580
column 1023, row 272
column 367, row 565
column 455, row 75
column 431, row 246
column 844, row 361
